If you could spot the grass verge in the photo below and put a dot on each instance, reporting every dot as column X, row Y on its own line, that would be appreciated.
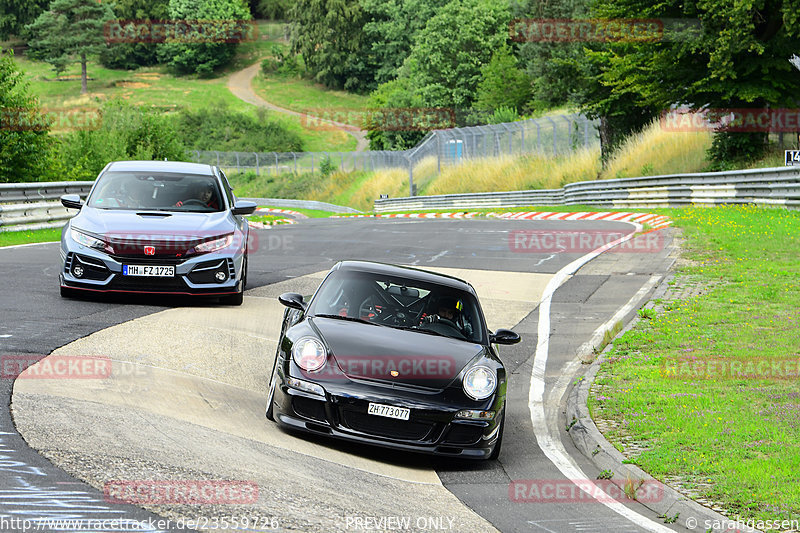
column 310, row 213
column 729, row 436
column 12, row 238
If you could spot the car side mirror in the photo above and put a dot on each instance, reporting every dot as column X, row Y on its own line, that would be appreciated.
column 293, row 300
column 504, row 336
column 243, row 207
column 71, row 201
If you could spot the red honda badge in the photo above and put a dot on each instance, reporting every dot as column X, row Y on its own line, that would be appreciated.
column 149, row 250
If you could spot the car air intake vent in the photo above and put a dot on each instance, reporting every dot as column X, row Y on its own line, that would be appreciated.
column 386, row 427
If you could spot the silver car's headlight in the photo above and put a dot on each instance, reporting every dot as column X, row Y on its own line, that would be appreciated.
column 309, row 354
column 216, row 244
column 480, row 382
column 89, row 241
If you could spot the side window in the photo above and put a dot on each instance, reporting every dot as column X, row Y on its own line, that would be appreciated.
column 227, row 189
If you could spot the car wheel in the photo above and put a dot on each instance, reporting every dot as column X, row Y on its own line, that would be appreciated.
column 496, row 452
column 271, row 398
column 238, row 298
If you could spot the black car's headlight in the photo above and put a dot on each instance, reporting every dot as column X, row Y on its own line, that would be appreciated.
column 309, row 354
column 479, row 382
column 89, row 241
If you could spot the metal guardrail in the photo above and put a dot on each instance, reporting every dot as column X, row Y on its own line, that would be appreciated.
column 768, row 186
column 24, row 206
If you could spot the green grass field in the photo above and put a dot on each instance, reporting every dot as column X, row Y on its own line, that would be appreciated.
column 304, row 96
column 156, row 87
column 13, row 238
column 734, row 440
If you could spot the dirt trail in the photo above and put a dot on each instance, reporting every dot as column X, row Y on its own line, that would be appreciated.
column 240, row 85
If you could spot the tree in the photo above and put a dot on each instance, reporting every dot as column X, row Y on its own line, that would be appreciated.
column 271, row 9
column 131, row 55
column 330, row 36
column 503, row 84
column 69, row 29
column 16, row 14
column 392, row 30
column 24, row 142
column 220, row 26
column 738, row 59
column 446, row 60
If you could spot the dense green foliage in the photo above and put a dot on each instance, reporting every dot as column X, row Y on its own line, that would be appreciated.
column 330, row 36
column 16, row 14
column 218, row 128
column 125, row 132
column 737, row 59
column 70, row 30
column 203, row 52
column 23, row 130
column 129, row 56
column 503, row 84
column 271, row 9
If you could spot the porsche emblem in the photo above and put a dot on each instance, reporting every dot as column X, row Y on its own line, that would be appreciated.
column 394, row 373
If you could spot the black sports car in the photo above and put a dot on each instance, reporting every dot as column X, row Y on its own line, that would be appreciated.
column 157, row 227
column 392, row 356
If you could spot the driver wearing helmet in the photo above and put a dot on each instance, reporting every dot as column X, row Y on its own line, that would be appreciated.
column 449, row 311
column 203, row 194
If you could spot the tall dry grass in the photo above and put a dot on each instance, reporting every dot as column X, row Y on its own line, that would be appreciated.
column 655, row 151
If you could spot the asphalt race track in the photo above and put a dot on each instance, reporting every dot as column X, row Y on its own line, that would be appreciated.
column 187, row 396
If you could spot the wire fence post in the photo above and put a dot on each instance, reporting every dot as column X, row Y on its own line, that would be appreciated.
column 411, row 191
column 257, row 170
column 438, row 152
column 237, row 162
column 294, row 155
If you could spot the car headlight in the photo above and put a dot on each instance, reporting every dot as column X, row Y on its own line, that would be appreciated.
column 479, row 382
column 216, row 244
column 89, row 241
column 309, row 354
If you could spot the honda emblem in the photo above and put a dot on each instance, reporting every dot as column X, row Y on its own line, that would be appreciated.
column 149, row 250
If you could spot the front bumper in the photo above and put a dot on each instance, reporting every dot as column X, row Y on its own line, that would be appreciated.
column 193, row 276
column 431, row 429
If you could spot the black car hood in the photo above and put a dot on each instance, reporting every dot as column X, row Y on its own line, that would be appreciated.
column 372, row 352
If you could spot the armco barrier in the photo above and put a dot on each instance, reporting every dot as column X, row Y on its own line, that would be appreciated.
column 31, row 206
column 766, row 186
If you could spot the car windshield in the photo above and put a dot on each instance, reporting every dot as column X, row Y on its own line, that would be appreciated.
column 156, row 191
column 400, row 303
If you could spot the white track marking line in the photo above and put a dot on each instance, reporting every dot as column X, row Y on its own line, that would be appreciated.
column 550, row 444
column 26, row 245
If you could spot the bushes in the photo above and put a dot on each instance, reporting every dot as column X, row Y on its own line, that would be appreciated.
column 210, row 49
column 126, row 132
column 225, row 130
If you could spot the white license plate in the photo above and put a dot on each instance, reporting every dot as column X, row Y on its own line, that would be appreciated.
column 389, row 411
column 151, row 271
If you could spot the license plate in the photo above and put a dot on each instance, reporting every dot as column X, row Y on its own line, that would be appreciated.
column 389, row 411
column 151, row 271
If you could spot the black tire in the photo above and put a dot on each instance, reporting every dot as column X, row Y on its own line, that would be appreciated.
column 496, row 452
column 238, row 298
column 271, row 398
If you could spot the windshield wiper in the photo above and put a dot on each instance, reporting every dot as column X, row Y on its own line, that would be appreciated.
column 350, row 318
column 427, row 331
